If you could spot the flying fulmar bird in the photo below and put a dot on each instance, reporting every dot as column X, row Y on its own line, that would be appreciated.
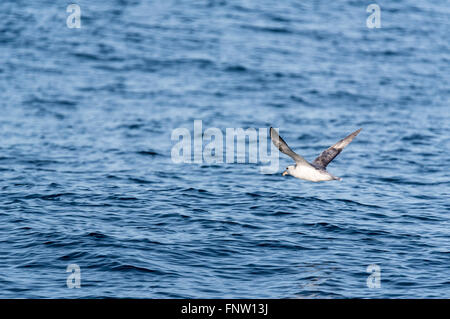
column 316, row 171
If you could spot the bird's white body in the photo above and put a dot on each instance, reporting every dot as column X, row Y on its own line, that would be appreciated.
column 310, row 173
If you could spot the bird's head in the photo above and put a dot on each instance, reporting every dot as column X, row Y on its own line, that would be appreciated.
column 288, row 170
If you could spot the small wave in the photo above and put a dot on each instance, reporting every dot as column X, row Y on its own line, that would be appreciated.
column 148, row 153
column 97, row 235
column 278, row 30
column 236, row 68
column 132, row 268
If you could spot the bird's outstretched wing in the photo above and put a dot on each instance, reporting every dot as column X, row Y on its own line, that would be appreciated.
column 284, row 148
column 329, row 154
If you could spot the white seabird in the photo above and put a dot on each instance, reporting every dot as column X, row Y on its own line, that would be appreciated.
column 316, row 171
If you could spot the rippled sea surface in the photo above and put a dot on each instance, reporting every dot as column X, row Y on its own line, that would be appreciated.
column 86, row 174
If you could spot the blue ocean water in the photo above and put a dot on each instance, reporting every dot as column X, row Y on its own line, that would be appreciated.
column 86, row 174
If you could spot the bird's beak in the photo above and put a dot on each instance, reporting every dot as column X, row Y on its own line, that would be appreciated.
column 285, row 173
